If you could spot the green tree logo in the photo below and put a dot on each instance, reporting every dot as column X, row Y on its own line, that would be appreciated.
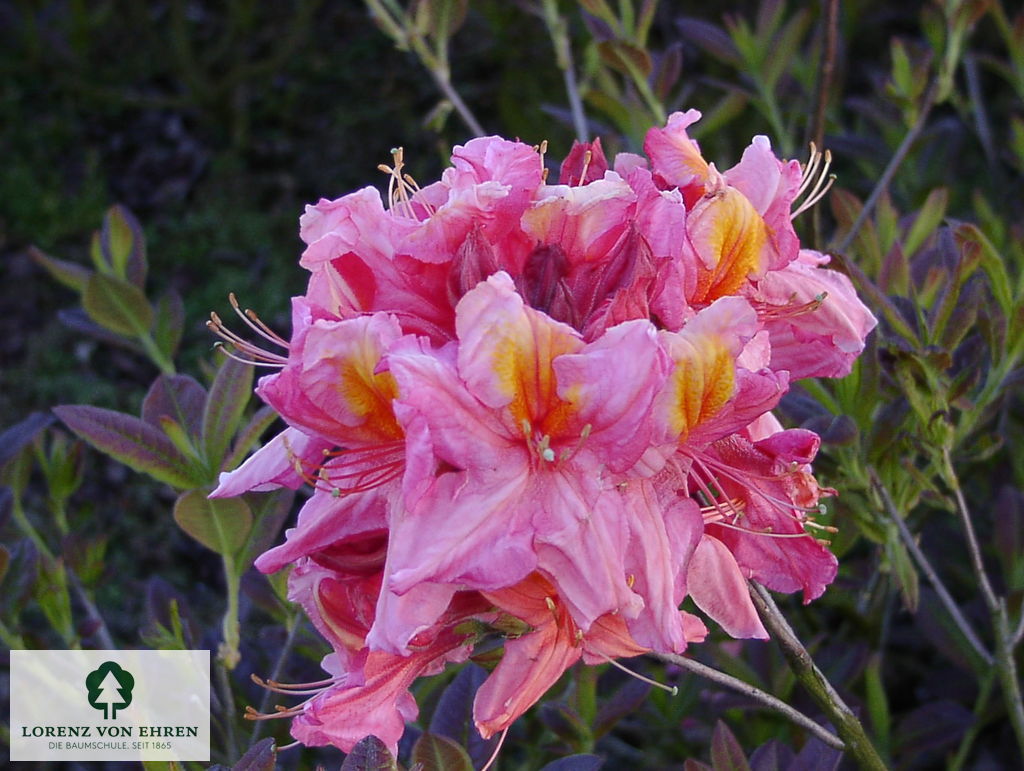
column 110, row 688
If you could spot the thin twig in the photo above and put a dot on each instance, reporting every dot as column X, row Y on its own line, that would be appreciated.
column 227, row 699
column 897, row 160
column 802, row 665
column 445, row 84
column 828, row 65
column 755, row 693
column 559, row 34
column 278, row 671
column 1004, row 661
column 926, row 567
column 102, row 633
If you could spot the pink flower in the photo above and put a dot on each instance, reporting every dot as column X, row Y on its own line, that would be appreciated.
column 534, row 425
column 817, row 323
column 533, row 662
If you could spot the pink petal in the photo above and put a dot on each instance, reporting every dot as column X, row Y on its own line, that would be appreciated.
column 719, row 588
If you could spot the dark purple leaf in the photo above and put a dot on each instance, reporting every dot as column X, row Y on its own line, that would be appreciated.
column 575, row 763
column 816, row 756
column 5, row 560
column 712, row 39
column 20, row 578
column 726, row 753
column 564, row 722
column 625, row 701
column 20, row 435
column 931, row 731
column 369, row 754
column 454, row 714
column 159, row 596
column 229, row 395
column 695, row 765
column 773, row 755
column 1009, row 540
column 77, row 320
column 261, row 756
column 6, row 505
column 179, row 397
column 132, row 441
column 439, row 753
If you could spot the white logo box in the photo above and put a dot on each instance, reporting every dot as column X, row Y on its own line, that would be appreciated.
column 160, row 710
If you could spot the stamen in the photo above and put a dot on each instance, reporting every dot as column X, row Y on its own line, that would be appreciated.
column 815, row 178
column 587, row 156
column 258, row 356
column 497, row 749
column 569, row 454
column 672, row 689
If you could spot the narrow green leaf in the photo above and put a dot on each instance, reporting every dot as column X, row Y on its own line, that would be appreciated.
column 123, row 245
column 877, row 701
column 221, row 524
column 225, row 406
column 169, row 322
column 929, row 217
column 115, row 304
column 439, row 753
column 625, row 57
column 132, row 441
column 905, row 573
column 70, row 274
column 269, row 511
column 261, row 420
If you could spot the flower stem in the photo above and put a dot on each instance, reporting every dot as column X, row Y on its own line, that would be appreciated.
column 1005, row 665
column 858, row 745
column 890, row 171
column 563, row 55
column 755, row 693
column 926, row 567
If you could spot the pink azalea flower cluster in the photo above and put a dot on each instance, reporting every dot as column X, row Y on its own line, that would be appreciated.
column 541, row 412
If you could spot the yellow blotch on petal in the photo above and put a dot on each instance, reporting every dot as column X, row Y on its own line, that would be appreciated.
column 369, row 395
column 702, row 382
column 521, row 360
column 730, row 237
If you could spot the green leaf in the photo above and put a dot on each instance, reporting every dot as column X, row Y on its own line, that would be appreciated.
column 905, row 573
column 726, row 753
column 70, row 274
column 123, row 245
column 269, row 511
column 439, row 753
column 221, row 524
column 929, row 217
column 625, row 57
column 132, row 441
column 179, row 397
column 115, row 304
column 877, row 702
column 260, row 421
column 225, row 406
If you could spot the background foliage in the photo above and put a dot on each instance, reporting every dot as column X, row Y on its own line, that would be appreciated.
column 215, row 122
